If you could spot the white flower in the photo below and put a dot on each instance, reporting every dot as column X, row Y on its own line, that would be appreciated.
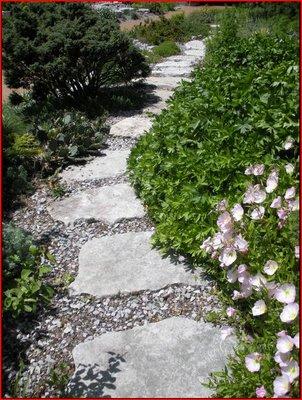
column 237, row 212
column 288, row 144
column 289, row 168
column 225, row 222
column 270, row 267
column 286, row 293
column 272, row 182
column 259, row 308
column 290, row 193
column 232, row 275
column 285, row 344
column 258, row 213
column 281, row 385
column 282, row 358
column 252, row 362
column 290, row 312
column 297, row 251
column 258, row 281
column 254, row 194
column 276, row 203
column 246, row 290
column 291, row 370
column 296, row 340
column 226, row 332
column 241, row 244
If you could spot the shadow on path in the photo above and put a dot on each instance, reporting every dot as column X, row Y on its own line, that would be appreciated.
column 90, row 381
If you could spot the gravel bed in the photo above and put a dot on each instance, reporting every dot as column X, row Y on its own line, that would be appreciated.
column 74, row 319
column 120, row 143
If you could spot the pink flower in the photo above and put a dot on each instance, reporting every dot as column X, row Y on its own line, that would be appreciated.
column 296, row 340
column 270, row 267
column 225, row 222
column 289, row 168
column 261, row 392
column 258, row 281
column 256, row 170
column 226, row 332
column 282, row 358
column 290, row 193
column 259, row 308
column 272, row 182
column 293, row 204
column 207, row 245
column 290, row 312
column 288, row 144
column 282, row 213
column 297, row 251
column 228, row 256
column 237, row 212
column 258, row 213
column 285, row 344
column 281, row 385
column 241, row 244
column 222, row 205
column 254, row 194
column 271, row 288
column 217, row 241
column 246, row 290
column 252, row 362
column 231, row 311
column 286, row 293
column 291, row 370
column 232, row 275
column 276, row 203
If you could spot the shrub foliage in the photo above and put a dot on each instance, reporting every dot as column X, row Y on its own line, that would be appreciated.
column 67, row 50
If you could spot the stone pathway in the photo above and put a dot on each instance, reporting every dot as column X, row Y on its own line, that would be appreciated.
column 167, row 356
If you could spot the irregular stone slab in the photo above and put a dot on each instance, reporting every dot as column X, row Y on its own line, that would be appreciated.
column 108, row 204
column 111, row 164
column 164, row 82
column 156, row 108
column 183, row 57
column 164, row 95
column 195, row 45
column 131, row 127
column 125, row 263
column 165, row 359
column 172, row 71
column 186, row 63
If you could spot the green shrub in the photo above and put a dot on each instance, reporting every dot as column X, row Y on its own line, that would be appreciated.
column 69, row 138
column 167, row 49
column 179, row 28
column 21, row 151
column 238, row 111
column 24, row 266
column 67, row 51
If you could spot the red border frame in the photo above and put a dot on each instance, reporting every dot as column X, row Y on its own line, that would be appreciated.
column 137, row 1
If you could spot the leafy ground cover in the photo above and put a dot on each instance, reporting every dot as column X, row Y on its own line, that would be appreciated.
column 179, row 27
column 227, row 148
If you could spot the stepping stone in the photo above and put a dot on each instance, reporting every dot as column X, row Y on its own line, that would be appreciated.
column 186, row 63
column 164, row 82
column 156, row 108
column 172, row 71
column 195, row 48
column 113, row 163
column 131, row 127
column 164, row 95
column 108, row 204
column 165, row 359
column 125, row 263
